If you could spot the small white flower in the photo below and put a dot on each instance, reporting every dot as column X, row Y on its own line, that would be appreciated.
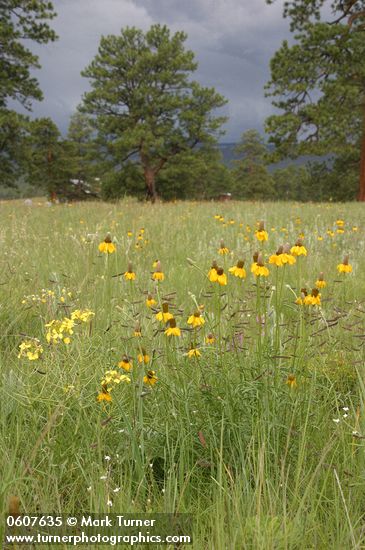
column 89, row 488
column 109, row 503
column 336, row 420
column 116, row 490
column 106, row 457
column 103, row 477
column 151, row 464
column 345, row 409
column 344, row 415
column 121, row 431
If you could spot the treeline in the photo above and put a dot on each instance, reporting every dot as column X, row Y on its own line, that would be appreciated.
column 146, row 128
column 75, row 167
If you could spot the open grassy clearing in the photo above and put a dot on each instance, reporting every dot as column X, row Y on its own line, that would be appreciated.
column 257, row 430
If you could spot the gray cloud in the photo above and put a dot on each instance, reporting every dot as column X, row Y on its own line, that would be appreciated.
column 233, row 41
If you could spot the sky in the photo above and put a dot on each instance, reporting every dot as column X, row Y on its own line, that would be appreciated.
column 233, row 41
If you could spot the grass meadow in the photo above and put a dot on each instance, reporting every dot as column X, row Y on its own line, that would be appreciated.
column 251, row 419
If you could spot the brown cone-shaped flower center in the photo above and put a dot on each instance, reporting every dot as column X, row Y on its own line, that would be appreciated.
column 165, row 307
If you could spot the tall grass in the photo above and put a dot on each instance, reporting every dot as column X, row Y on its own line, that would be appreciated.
column 223, row 436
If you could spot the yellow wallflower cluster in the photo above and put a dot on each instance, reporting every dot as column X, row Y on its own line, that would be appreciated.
column 30, row 349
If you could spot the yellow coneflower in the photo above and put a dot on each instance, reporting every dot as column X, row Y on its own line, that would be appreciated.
column 137, row 331
column 172, row 330
column 193, row 352
column 238, row 270
column 298, row 249
column 303, row 294
column 217, row 217
column 196, row 320
column 125, row 364
column 340, row 223
column 210, row 339
column 154, row 264
column 291, row 381
column 130, row 275
column 158, row 275
column 212, row 273
column 345, row 267
column 221, row 276
column 129, row 233
column 164, row 315
column 316, row 297
column 287, row 257
column 107, row 246
column 222, row 250
column 104, row 395
column 260, row 234
column 258, row 268
column 277, row 258
column 320, row 282
column 143, row 357
column 150, row 378
column 150, row 301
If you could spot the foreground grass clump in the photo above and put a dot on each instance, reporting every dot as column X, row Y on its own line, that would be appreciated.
column 187, row 358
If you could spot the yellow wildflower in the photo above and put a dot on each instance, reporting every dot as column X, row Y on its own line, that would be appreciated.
column 238, row 270
column 223, row 249
column 291, row 381
column 172, row 330
column 158, row 275
column 345, row 267
column 150, row 301
column 164, row 315
column 196, row 320
column 130, row 275
column 107, row 247
column 260, row 234
column 125, row 363
column 298, row 249
column 150, row 378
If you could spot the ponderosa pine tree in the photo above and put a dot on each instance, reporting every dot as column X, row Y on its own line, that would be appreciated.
column 21, row 21
column 145, row 104
column 319, row 81
column 250, row 173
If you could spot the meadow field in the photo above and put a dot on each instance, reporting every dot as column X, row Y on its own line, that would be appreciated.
column 137, row 378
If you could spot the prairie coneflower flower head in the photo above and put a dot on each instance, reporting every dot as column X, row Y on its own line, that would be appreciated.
column 320, row 282
column 158, row 275
column 104, row 395
column 261, row 234
column 212, row 273
column 291, row 381
column 221, row 276
column 107, row 246
column 287, row 257
column 193, row 352
column 129, row 275
column 238, row 270
column 209, row 339
column 150, row 378
column 137, row 331
column 172, row 329
column 315, row 297
column 125, row 363
column 277, row 258
column 143, row 357
column 222, row 250
column 298, row 249
column 164, row 316
column 196, row 320
column 150, row 301
column 345, row 267
column 258, row 268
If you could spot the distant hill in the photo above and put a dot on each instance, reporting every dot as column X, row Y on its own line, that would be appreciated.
column 227, row 150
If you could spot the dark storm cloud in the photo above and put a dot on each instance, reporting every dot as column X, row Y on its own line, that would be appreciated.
column 233, row 41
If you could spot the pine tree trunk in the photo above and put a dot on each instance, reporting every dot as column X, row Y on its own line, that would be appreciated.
column 361, row 196
column 150, row 179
